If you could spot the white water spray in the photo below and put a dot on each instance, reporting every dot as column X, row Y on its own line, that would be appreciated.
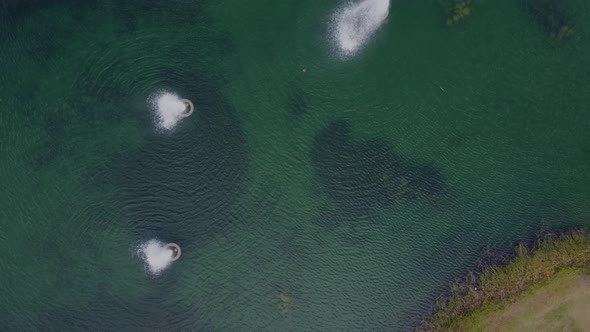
column 169, row 109
column 357, row 22
column 156, row 255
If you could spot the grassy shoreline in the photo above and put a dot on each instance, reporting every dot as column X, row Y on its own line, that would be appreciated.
column 560, row 303
column 497, row 286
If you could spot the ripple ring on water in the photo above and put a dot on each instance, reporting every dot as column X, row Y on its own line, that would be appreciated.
column 175, row 250
column 190, row 108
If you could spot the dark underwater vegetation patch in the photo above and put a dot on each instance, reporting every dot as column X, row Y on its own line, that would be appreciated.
column 14, row 7
column 13, row 10
column 108, row 312
column 297, row 102
column 52, row 146
column 129, row 12
column 359, row 175
column 552, row 16
column 79, row 119
column 41, row 47
column 138, row 16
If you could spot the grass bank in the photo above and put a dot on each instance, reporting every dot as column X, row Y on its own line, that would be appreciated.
column 477, row 298
column 560, row 304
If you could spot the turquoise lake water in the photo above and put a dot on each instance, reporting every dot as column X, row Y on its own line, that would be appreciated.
column 310, row 191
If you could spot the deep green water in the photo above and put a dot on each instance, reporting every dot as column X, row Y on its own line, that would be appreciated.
column 343, row 198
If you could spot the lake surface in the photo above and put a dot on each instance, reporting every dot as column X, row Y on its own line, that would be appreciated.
column 309, row 191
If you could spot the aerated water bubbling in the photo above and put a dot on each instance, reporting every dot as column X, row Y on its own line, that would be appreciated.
column 357, row 22
column 156, row 255
column 169, row 109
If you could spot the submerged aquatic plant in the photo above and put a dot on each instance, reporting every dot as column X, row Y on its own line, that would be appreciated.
column 551, row 14
column 284, row 304
column 456, row 10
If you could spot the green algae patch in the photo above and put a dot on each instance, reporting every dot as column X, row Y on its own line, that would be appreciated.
column 543, row 287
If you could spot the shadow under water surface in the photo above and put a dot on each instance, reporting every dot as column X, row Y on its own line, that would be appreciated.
column 360, row 175
column 111, row 313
